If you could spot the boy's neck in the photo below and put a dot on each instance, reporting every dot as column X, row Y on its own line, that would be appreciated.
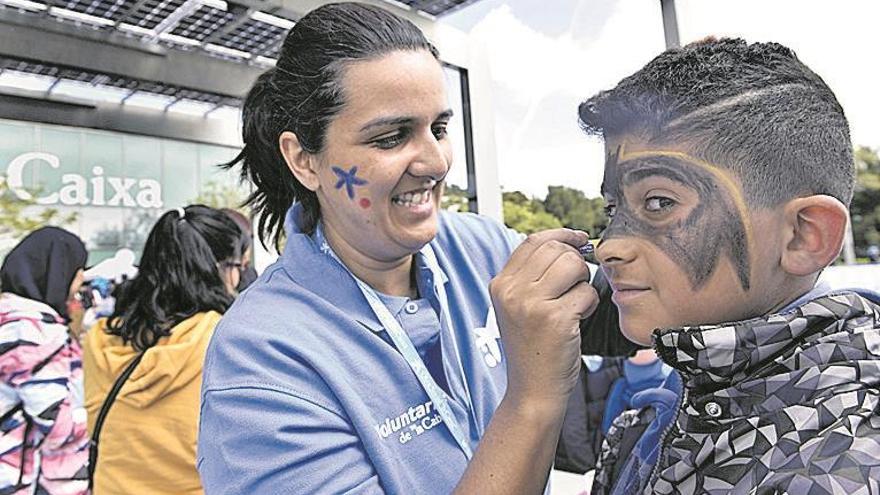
column 819, row 289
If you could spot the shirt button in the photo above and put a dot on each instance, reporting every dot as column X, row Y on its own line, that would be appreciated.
column 411, row 307
column 713, row 409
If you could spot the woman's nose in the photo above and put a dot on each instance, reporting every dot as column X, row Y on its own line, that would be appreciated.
column 433, row 158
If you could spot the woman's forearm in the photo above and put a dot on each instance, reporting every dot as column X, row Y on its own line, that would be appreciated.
column 516, row 453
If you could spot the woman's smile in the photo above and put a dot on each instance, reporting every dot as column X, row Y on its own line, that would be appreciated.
column 418, row 203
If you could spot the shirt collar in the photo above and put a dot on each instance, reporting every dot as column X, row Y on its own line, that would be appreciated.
column 321, row 275
column 310, row 265
column 394, row 304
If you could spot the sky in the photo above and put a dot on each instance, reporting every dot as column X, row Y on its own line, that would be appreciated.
column 545, row 60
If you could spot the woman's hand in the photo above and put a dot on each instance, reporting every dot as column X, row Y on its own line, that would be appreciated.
column 540, row 297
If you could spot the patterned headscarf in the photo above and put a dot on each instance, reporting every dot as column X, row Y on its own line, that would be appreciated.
column 42, row 266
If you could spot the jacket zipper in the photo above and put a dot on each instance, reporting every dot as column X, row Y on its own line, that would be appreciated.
column 664, row 449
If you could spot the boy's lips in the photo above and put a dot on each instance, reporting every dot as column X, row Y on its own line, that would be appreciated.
column 626, row 292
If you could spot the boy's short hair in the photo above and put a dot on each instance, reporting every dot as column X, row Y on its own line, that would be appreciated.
column 754, row 109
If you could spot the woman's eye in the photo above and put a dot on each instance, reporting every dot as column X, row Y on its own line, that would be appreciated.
column 390, row 141
column 658, row 203
column 439, row 131
column 610, row 210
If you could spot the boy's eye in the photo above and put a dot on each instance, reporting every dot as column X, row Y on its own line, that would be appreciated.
column 610, row 210
column 658, row 203
column 391, row 140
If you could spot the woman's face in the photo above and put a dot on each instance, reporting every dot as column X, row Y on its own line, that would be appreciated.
column 230, row 273
column 75, row 284
column 386, row 154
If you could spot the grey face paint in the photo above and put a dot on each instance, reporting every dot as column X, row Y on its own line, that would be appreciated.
column 714, row 227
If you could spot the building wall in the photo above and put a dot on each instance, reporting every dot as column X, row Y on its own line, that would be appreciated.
column 117, row 184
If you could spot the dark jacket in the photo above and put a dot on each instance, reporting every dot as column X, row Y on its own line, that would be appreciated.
column 787, row 403
column 581, row 438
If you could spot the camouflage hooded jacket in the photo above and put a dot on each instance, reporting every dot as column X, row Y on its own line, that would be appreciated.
column 787, row 403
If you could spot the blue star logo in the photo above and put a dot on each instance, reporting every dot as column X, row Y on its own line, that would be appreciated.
column 348, row 179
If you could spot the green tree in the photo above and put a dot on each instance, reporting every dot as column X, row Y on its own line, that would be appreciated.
column 18, row 216
column 527, row 215
column 455, row 199
column 575, row 210
column 865, row 206
column 222, row 196
column 516, row 198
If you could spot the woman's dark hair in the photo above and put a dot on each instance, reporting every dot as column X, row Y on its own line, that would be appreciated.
column 302, row 94
column 178, row 275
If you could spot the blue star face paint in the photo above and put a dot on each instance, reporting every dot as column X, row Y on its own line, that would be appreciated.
column 348, row 180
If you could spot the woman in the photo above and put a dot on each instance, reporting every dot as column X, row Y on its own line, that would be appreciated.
column 40, row 396
column 368, row 358
column 248, row 272
column 166, row 315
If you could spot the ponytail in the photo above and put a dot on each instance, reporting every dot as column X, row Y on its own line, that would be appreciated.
column 262, row 163
column 178, row 275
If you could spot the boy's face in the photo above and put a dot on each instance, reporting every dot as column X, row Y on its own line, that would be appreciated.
column 680, row 245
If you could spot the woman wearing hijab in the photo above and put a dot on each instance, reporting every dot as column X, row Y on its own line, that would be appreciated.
column 40, row 393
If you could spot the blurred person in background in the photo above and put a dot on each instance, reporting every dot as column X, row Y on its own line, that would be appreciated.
column 41, row 393
column 248, row 272
column 153, row 345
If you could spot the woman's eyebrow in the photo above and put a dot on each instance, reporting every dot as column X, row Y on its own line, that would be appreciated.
column 387, row 121
column 445, row 115
column 401, row 120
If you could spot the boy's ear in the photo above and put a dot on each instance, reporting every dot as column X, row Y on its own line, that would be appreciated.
column 816, row 226
column 302, row 164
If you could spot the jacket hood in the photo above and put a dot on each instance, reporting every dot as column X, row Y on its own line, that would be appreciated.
column 171, row 364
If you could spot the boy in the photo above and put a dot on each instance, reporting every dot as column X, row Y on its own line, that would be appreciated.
column 729, row 170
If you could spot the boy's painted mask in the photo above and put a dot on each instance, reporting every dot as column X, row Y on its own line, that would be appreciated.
column 715, row 224
column 678, row 250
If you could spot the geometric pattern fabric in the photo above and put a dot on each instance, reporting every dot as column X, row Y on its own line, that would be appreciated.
column 788, row 403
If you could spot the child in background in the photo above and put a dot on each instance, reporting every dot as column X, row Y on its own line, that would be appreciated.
column 729, row 170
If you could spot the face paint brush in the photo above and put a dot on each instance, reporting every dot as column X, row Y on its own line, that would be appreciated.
column 589, row 248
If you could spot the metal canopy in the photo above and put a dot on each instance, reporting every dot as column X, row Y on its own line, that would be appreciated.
column 437, row 8
column 195, row 55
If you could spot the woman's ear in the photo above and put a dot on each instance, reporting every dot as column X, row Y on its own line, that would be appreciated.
column 301, row 163
column 817, row 226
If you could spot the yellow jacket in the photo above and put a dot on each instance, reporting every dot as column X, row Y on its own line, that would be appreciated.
column 148, row 441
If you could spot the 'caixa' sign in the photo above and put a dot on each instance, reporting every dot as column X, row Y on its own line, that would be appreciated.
column 76, row 190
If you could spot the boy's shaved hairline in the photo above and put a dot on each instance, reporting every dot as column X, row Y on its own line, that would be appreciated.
column 729, row 102
column 755, row 110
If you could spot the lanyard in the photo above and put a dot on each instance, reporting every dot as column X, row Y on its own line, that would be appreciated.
column 405, row 346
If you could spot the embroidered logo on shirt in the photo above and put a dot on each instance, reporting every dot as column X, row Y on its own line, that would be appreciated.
column 411, row 423
column 487, row 340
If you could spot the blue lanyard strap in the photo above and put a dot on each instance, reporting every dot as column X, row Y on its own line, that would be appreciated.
column 405, row 346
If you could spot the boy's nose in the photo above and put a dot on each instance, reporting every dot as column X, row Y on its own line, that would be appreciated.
column 615, row 251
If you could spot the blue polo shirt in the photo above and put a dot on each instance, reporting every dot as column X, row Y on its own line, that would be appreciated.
column 302, row 393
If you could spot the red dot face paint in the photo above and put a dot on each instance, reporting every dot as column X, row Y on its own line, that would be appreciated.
column 365, row 203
